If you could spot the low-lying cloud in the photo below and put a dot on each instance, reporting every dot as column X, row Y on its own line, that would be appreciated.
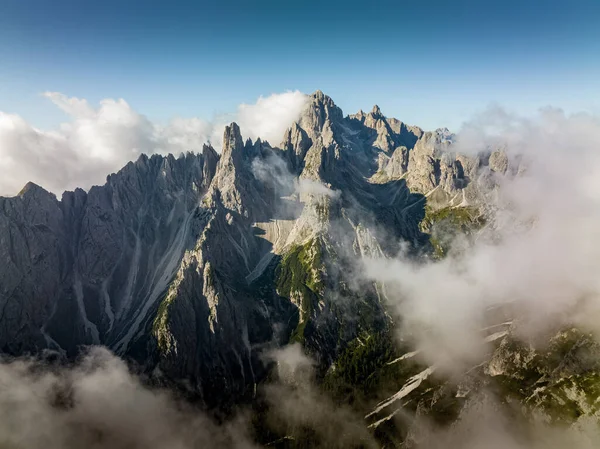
column 275, row 173
column 300, row 408
column 99, row 140
column 484, row 423
column 99, row 404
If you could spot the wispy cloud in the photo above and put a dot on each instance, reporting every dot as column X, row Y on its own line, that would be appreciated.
column 98, row 403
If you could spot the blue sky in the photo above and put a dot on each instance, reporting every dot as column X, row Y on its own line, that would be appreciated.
column 431, row 63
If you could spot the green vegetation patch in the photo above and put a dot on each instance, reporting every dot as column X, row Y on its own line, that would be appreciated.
column 562, row 379
column 300, row 277
column 366, row 372
column 443, row 225
column 160, row 324
column 462, row 218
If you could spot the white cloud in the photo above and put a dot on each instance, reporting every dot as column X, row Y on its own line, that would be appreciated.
column 297, row 405
column 543, row 250
column 311, row 187
column 100, row 140
column 274, row 172
column 73, row 106
column 270, row 116
column 98, row 403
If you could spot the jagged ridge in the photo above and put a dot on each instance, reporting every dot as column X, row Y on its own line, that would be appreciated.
column 181, row 263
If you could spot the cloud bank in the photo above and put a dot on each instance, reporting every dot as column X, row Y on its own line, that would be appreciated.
column 100, row 140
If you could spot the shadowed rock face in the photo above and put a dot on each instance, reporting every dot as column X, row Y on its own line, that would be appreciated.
column 177, row 262
column 79, row 270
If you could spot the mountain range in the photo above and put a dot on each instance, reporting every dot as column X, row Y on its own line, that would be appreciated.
column 194, row 268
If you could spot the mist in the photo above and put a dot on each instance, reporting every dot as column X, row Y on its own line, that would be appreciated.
column 299, row 407
column 99, row 403
column 540, row 249
column 531, row 271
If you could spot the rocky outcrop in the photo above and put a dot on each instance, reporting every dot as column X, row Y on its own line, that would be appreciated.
column 384, row 133
column 34, row 253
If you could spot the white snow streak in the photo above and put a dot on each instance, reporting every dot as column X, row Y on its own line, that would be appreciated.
column 495, row 336
column 408, row 355
column 411, row 385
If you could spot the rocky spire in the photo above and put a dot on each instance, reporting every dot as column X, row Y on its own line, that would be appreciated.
column 211, row 159
column 376, row 112
column 233, row 144
column 296, row 143
column 320, row 117
column 234, row 184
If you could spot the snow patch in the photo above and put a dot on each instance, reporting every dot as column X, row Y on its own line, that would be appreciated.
column 408, row 355
column 411, row 385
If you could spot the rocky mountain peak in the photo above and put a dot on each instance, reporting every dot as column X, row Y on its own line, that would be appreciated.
column 233, row 143
column 31, row 189
column 320, row 116
column 211, row 159
column 296, row 143
column 444, row 135
column 234, row 185
column 319, row 95
column 321, row 101
column 142, row 160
